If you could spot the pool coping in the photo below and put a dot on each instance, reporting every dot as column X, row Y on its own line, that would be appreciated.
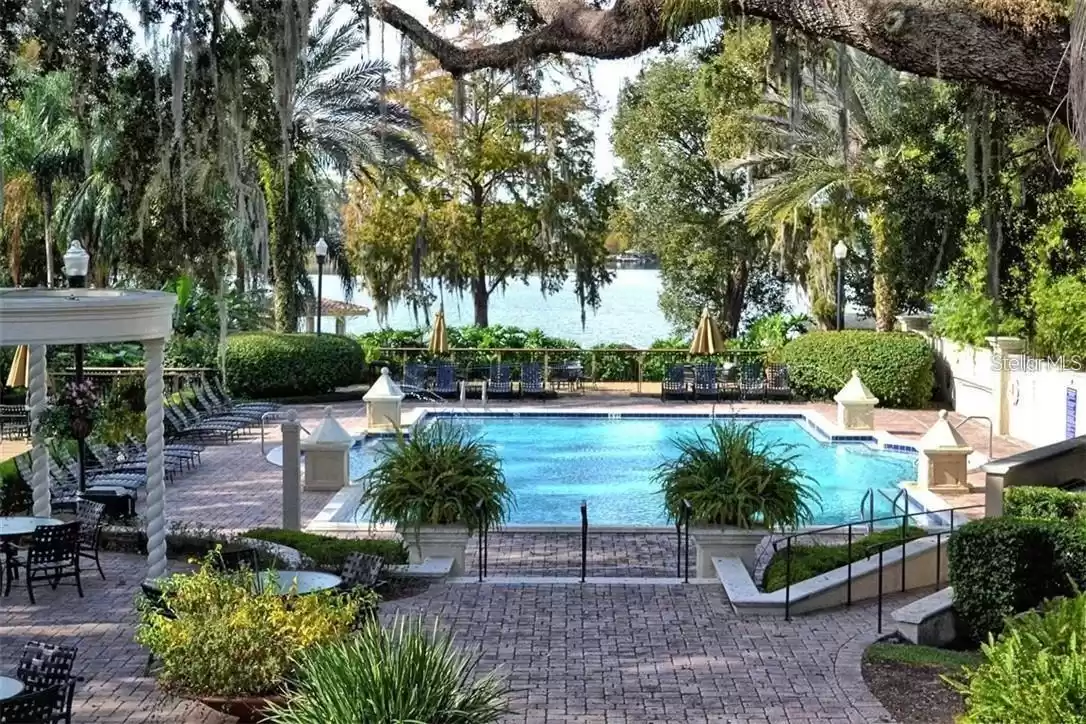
column 333, row 517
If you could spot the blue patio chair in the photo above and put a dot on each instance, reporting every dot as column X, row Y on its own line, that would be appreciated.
column 752, row 381
column 500, row 383
column 531, row 380
column 674, row 384
column 705, row 385
column 445, row 382
column 414, row 376
column 777, row 385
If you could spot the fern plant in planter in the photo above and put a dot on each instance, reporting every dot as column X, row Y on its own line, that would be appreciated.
column 738, row 488
column 438, row 486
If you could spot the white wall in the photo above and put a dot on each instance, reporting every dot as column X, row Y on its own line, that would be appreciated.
column 1037, row 390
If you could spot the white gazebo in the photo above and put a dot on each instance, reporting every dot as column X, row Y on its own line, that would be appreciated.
column 42, row 317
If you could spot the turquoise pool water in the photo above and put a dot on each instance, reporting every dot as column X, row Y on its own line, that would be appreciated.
column 554, row 462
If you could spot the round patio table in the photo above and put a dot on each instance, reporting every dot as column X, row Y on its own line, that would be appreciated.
column 292, row 582
column 20, row 525
column 9, row 687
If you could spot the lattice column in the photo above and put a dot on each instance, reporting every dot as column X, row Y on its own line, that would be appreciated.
column 39, row 456
column 156, row 474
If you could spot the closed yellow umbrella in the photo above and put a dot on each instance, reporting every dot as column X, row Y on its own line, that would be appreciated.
column 20, row 367
column 707, row 337
column 439, row 339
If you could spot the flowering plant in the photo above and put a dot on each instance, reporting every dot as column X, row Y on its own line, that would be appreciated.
column 73, row 413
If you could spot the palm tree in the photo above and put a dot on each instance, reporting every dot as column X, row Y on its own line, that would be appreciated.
column 41, row 139
column 341, row 126
column 826, row 155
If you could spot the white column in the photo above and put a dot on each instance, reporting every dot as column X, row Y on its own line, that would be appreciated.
column 39, row 456
column 292, row 473
column 156, row 474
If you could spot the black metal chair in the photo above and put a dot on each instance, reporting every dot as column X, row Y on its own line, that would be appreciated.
column 157, row 603
column 777, row 384
column 237, row 559
column 752, row 381
column 674, row 383
column 705, row 384
column 361, row 570
column 52, row 555
column 500, row 383
column 45, row 667
column 531, row 380
column 32, row 707
column 90, row 516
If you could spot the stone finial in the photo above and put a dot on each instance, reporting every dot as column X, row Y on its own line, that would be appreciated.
column 329, row 431
column 855, row 391
column 856, row 405
column 384, row 389
column 943, row 436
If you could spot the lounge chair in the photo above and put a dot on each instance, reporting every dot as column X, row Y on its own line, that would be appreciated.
column 218, row 393
column 674, row 383
column 752, row 381
column 212, row 406
column 244, row 422
column 531, row 380
column 705, row 386
column 414, row 377
column 445, row 381
column 180, row 425
column 500, row 383
column 777, row 384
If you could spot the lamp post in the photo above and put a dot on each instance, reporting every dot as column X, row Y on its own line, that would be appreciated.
column 76, row 263
column 322, row 252
column 840, row 251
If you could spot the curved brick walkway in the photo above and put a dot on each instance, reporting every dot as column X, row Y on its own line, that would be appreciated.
column 595, row 654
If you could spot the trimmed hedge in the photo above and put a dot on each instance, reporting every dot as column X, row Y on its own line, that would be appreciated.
column 1039, row 502
column 328, row 552
column 898, row 368
column 1003, row 566
column 809, row 561
column 266, row 364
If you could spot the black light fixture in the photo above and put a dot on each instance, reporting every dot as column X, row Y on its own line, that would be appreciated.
column 76, row 264
column 322, row 253
column 840, row 251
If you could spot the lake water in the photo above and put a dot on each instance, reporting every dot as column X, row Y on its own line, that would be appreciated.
column 628, row 313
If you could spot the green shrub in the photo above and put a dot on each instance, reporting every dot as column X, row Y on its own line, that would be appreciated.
column 1059, row 308
column 612, row 366
column 15, row 494
column 809, row 561
column 407, row 672
column 1003, row 566
column 1034, row 672
column 265, row 364
column 968, row 316
column 1039, row 502
column 328, row 552
column 437, row 476
column 227, row 640
column 731, row 478
column 897, row 367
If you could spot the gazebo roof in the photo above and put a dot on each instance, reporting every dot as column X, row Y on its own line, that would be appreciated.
column 336, row 308
column 36, row 316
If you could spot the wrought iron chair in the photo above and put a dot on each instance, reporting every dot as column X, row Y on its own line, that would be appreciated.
column 752, row 381
column 235, row 560
column 445, row 380
column 501, row 382
column 531, row 380
column 46, row 667
column 674, row 383
column 777, row 384
column 705, row 384
column 90, row 515
column 361, row 570
column 33, row 707
column 157, row 603
column 53, row 554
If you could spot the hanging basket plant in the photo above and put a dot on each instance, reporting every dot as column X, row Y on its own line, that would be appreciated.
column 74, row 414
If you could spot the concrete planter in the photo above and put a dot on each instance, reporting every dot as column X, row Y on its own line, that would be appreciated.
column 725, row 542
column 438, row 541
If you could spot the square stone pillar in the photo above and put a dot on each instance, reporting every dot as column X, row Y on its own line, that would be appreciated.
column 855, row 405
column 383, row 404
column 327, row 455
column 1003, row 351
column 943, row 463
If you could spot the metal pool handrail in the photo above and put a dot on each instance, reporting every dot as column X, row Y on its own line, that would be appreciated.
column 274, row 416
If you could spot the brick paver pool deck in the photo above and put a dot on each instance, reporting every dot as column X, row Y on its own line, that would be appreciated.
column 574, row 653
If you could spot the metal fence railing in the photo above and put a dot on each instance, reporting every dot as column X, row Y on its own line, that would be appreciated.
column 635, row 367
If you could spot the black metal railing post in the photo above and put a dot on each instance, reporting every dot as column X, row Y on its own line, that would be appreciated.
column 480, row 534
column 788, row 580
column 584, row 539
column 880, row 590
column 848, row 579
column 486, row 549
column 904, row 537
column 678, row 546
column 689, row 509
column 938, row 557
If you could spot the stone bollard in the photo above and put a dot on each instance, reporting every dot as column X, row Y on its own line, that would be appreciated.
column 292, row 473
column 383, row 404
column 327, row 455
column 855, row 405
column 943, row 463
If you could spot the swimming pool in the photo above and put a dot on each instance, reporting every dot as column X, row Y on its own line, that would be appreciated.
column 554, row 462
